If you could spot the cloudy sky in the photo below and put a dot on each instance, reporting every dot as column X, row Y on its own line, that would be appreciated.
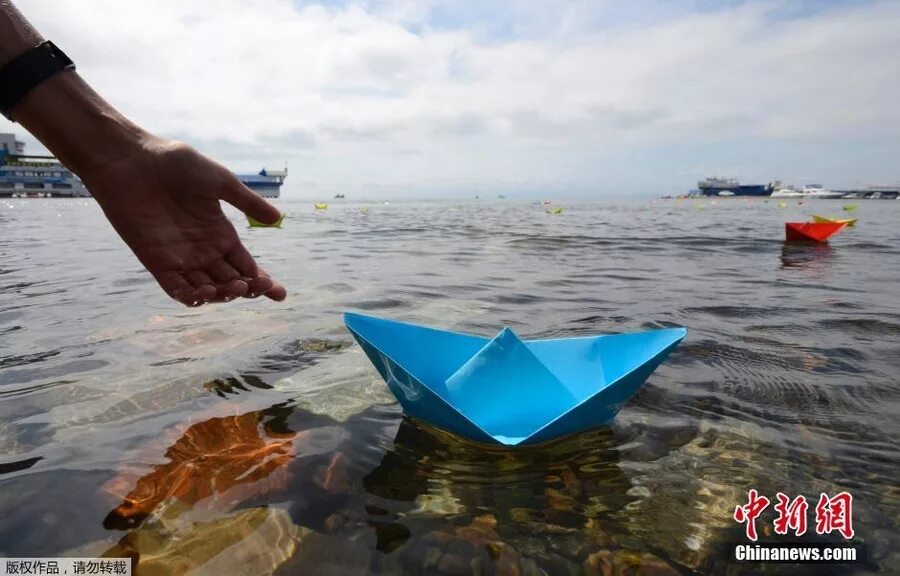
column 434, row 98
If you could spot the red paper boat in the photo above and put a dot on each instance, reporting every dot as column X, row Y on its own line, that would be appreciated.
column 811, row 231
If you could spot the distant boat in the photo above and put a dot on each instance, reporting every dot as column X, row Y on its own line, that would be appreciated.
column 29, row 176
column 339, row 196
column 818, row 191
column 810, row 191
column 715, row 187
column 811, row 231
column 787, row 192
column 266, row 183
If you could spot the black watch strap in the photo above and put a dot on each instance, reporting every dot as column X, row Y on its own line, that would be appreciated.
column 28, row 70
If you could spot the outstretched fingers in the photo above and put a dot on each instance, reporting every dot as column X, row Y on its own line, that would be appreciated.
column 229, row 283
column 260, row 283
column 178, row 288
column 205, row 286
column 220, row 282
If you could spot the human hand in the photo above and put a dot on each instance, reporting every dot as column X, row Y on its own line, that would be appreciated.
column 163, row 200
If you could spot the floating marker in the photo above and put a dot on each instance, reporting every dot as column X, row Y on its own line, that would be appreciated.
column 505, row 390
column 257, row 224
column 847, row 221
column 850, row 207
column 321, row 206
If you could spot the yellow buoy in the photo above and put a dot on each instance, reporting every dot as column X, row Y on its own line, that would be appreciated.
column 850, row 207
column 321, row 206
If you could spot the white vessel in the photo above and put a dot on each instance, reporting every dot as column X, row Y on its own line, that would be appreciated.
column 787, row 192
column 267, row 183
column 810, row 191
column 818, row 191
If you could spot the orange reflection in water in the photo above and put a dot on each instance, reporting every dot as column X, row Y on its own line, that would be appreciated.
column 217, row 463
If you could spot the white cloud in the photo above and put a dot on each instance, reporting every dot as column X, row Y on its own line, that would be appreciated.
column 355, row 100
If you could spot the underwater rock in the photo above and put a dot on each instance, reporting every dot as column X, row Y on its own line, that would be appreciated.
column 530, row 568
column 626, row 563
column 322, row 345
column 253, row 541
column 337, row 386
column 333, row 477
column 9, row 442
column 330, row 555
column 454, row 564
column 688, row 515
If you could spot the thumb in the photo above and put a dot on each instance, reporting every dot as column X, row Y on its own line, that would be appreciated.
column 250, row 203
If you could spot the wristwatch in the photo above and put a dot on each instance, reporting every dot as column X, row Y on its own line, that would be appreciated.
column 28, row 70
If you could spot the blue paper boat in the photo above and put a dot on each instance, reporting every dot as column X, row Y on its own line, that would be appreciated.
column 505, row 390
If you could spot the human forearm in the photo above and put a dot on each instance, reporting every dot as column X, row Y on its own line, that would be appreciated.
column 162, row 197
column 76, row 124
column 16, row 34
column 63, row 112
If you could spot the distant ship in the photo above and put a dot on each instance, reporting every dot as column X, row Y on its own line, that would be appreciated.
column 29, row 176
column 731, row 187
column 24, row 176
column 266, row 183
column 810, row 191
column 890, row 192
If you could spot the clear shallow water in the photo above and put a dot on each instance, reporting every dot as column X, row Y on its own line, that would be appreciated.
column 256, row 436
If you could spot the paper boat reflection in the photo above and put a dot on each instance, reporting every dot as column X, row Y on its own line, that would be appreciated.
column 505, row 390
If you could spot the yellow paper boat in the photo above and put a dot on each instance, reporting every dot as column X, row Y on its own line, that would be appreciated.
column 850, row 207
column 257, row 224
column 847, row 221
column 321, row 206
column 555, row 210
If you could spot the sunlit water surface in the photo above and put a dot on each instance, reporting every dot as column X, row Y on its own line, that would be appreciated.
column 256, row 437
